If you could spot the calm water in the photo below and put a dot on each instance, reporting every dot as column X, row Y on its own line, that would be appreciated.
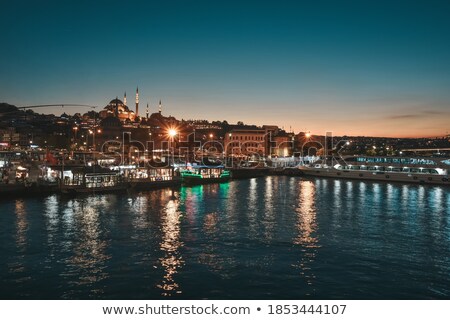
column 265, row 238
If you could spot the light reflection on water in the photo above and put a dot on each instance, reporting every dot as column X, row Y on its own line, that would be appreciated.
column 171, row 260
column 209, row 254
column 269, row 219
column 307, row 237
column 22, row 225
column 18, row 267
column 252, row 211
column 272, row 237
column 86, row 263
column 337, row 187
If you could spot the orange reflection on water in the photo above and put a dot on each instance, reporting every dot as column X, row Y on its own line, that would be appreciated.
column 21, row 225
column 210, row 223
column 306, row 216
column 307, row 228
column 252, row 209
column 21, row 240
column 269, row 214
column 88, row 262
column 170, row 244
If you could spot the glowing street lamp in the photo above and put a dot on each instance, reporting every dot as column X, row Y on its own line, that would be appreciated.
column 172, row 133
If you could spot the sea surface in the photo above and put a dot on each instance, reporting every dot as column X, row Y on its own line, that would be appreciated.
column 263, row 238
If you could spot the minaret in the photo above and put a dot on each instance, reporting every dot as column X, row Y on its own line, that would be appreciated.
column 117, row 107
column 160, row 107
column 137, row 102
column 146, row 112
column 125, row 99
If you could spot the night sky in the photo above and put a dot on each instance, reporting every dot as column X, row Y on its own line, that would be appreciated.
column 377, row 68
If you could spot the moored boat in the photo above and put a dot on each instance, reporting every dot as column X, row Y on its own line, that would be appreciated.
column 205, row 174
column 408, row 170
column 246, row 173
column 93, row 179
column 150, row 178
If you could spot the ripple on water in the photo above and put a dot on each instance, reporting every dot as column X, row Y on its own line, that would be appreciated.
column 263, row 238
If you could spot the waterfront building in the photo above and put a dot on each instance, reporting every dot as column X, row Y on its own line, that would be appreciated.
column 246, row 142
column 11, row 138
column 268, row 140
column 281, row 144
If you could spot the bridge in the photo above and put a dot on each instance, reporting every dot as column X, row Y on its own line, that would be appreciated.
column 62, row 105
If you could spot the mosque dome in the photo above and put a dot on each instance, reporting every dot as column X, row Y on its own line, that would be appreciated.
column 118, row 109
column 116, row 101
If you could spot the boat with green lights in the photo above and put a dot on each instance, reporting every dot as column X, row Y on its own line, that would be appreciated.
column 202, row 174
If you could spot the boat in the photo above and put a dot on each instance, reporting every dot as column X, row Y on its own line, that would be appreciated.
column 93, row 179
column 202, row 174
column 150, row 178
column 12, row 189
column 247, row 173
column 397, row 169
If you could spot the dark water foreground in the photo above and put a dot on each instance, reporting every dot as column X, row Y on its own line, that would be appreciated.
column 264, row 238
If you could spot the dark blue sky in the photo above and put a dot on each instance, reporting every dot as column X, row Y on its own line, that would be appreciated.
column 351, row 67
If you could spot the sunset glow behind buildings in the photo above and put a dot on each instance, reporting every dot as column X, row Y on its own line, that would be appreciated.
column 378, row 69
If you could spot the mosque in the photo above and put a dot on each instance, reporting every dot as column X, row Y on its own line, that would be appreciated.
column 119, row 109
column 117, row 117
